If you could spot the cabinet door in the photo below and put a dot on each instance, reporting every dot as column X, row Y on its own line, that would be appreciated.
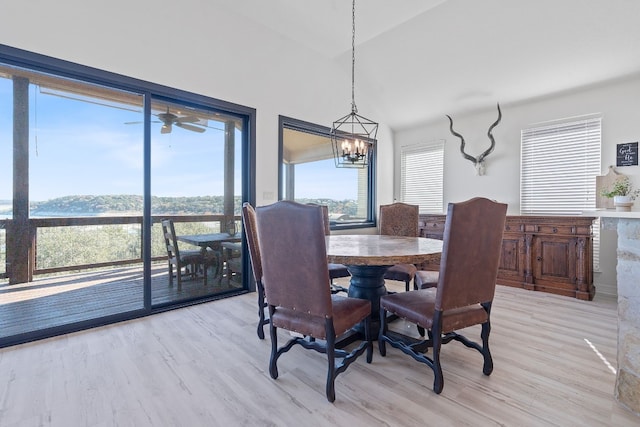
column 511, row 270
column 554, row 264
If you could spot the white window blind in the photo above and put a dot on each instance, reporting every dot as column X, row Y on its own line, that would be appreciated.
column 559, row 167
column 421, row 176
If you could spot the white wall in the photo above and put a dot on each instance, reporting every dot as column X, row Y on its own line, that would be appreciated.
column 619, row 104
column 203, row 48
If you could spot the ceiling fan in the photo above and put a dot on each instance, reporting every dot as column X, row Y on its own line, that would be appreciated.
column 169, row 119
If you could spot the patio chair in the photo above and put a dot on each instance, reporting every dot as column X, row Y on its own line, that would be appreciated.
column 190, row 261
column 232, row 260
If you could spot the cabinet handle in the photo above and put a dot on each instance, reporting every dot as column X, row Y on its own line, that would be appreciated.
column 539, row 258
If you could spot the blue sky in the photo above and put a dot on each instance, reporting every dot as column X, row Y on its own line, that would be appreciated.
column 83, row 148
column 323, row 180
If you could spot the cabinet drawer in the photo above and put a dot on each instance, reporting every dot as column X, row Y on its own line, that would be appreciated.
column 512, row 227
column 562, row 230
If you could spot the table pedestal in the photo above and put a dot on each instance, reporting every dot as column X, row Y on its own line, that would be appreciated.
column 367, row 282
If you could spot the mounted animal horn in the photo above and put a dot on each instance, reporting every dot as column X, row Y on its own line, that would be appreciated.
column 478, row 162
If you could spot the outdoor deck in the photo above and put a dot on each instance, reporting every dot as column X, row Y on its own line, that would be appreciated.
column 54, row 301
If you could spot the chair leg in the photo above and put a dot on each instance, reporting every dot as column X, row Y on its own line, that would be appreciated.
column 170, row 274
column 331, row 360
column 273, row 361
column 406, row 285
column 486, row 330
column 179, row 275
column 487, row 368
column 383, row 330
column 261, row 321
column 205, row 267
column 438, row 381
column 369, row 338
column 436, row 335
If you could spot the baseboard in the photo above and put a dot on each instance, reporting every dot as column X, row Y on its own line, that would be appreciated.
column 606, row 289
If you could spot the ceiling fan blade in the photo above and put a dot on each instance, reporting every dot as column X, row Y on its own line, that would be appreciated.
column 187, row 119
column 139, row 123
column 190, row 127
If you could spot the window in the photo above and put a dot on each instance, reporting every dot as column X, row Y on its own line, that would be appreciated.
column 308, row 174
column 421, row 177
column 559, row 167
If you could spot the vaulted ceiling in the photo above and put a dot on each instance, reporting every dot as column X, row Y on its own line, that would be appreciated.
column 420, row 58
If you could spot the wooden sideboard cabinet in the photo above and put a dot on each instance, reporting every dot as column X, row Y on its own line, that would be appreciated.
column 541, row 253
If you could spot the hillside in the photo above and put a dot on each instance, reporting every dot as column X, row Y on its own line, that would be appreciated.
column 120, row 204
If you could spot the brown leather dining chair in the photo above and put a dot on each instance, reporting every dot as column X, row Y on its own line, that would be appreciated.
column 466, row 286
column 251, row 234
column 298, row 297
column 189, row 261
column 336, row 271
column 249, row 221
column 400, row 219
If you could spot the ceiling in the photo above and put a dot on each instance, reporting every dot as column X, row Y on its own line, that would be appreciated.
column 417, row 60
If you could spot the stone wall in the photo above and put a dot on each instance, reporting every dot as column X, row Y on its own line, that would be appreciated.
column 628, row 274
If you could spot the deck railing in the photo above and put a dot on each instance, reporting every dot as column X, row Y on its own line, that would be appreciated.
column 74, row 240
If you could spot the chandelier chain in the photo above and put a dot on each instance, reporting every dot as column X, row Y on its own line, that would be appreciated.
column 354, row 109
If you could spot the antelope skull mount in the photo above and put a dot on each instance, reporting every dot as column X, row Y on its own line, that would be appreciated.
column 478, row 162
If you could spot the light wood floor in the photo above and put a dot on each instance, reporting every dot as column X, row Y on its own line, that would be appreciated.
column 204, row 366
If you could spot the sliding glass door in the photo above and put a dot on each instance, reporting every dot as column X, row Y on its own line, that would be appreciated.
column 90, row 164
column 196, row 182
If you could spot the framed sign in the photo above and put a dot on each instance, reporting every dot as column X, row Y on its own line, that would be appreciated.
column 627, row 154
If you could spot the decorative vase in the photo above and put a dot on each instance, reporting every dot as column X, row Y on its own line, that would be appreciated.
column 623, row 203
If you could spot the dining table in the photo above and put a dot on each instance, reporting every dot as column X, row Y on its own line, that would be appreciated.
column 368, row 256
column 213, row 243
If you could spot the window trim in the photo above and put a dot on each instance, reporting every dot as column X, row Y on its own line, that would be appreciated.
column 285, row 122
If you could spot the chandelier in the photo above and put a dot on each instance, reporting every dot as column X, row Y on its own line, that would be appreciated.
column 353, row 136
